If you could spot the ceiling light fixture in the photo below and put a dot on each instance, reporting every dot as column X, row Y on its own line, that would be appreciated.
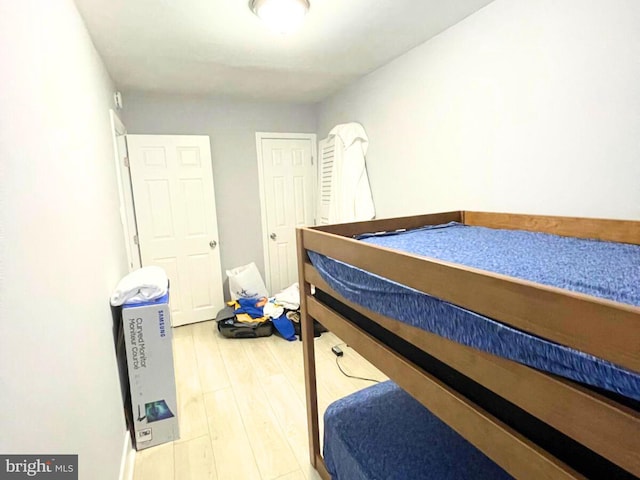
column 283, row 16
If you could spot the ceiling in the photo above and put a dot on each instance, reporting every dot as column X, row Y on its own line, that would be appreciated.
column 220, row 47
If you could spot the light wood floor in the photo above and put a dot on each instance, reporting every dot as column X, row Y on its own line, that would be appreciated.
column 241, row 406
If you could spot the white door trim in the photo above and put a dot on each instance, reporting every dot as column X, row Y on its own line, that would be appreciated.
column 263, row 206
column 125, row 194
column 128, row 460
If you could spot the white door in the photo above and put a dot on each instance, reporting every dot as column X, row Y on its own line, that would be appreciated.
column 288, row 181
column 176, row 214
column 327, row 170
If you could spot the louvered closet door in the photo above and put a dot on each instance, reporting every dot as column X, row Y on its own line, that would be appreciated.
column 327, row 170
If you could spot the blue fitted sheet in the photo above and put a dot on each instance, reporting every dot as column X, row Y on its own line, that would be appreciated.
column 382, row 433
column 602, row 269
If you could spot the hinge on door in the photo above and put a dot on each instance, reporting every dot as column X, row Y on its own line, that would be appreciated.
column 135, row 240
column 311, row 159
column 126, row 162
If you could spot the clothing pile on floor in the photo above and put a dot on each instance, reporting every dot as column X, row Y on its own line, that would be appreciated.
column 258, row 317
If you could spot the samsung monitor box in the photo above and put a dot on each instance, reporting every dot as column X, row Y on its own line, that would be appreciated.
column 147, row 333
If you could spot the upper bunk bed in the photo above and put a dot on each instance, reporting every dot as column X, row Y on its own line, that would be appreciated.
column 564, row 402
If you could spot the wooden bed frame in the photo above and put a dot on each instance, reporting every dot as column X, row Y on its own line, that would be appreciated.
column 603, row 328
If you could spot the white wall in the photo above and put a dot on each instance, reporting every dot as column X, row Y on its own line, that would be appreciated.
column 61, row 239
column 525, row 106
column 231, row 126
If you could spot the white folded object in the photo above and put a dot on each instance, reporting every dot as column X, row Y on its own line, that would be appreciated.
column 273, row 310
column 289, row 298
column 142, row 285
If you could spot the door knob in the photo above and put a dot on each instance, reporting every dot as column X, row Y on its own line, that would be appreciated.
column 273, row 236
column 213, row 244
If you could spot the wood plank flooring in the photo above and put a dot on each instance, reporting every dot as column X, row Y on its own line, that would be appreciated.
column 241, row 406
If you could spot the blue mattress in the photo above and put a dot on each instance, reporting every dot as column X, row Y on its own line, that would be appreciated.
column 383, row 433
column 603, row 269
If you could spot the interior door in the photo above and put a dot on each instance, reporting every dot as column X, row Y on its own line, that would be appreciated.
column 288, row 187
column 175, row 209
column 327, row 171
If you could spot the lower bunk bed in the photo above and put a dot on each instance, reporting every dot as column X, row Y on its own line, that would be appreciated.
column 528, row 347
column 382, row 433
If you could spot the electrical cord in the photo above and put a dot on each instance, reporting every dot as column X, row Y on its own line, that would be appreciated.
column 353, row 376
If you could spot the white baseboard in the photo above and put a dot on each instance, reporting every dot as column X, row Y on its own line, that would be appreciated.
column 128, row 458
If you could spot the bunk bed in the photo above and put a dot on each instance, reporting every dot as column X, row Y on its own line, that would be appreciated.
column 532, row 422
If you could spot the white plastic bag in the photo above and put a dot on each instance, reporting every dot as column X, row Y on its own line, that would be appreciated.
column 246, row 282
